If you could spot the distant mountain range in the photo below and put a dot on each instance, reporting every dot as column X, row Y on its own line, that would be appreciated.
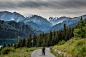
column 43, row 23
column 57, row 20
column 70, row 22
column 15, row 25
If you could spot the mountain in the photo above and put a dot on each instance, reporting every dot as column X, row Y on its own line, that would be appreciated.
column 9, row 32
column 31, row 23
column 43, row 24
column 8, row 16
column 22, row 27
column 18, row 25
column 35, row 22
column 70, row 22
column 15, row 30
column 27, row 29
column 57, row 20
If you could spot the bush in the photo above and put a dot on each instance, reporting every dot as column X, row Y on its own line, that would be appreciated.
column 80, row 42
column 61, row 42
column 31, row 49
column 6, row 50
column 81, row 50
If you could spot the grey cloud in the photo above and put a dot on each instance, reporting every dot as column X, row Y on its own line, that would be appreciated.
column 45, row 8
column 44, row 4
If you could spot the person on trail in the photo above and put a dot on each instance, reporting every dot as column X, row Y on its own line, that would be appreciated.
column 43, row 51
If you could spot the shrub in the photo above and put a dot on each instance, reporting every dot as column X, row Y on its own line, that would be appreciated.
column 81, row 50
column 31, row 49
column 61, row 42
column 6, row 50
column 80, row 42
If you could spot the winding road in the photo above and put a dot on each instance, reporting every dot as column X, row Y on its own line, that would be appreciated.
column 38, row 53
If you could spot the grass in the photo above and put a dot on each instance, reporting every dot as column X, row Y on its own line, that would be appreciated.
column 74, row 46
column 20, row 52
column 55, row 53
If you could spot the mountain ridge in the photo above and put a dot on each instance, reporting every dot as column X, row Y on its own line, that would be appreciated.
column 36, row 24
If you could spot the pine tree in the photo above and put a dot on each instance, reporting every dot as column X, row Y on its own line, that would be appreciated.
column 50, row 36
column 20, row 43
column 69, row 33
column 8, row 45
column 60, row 35
column 64, row 32
column 53, row 40
column 23, row 42
column 1, row 48
column 81, row 18
column 64, row 27
column 43, row 44
column 28, row 41
column 15, row 45
column 40, row 40
column 45, row 39
column 34, row 39
column 43, row 35
column 11, row 45
column 4, row 45
column 48, row 40
column 72, row 35
column 85, row 21
column 82, row 23
column 54, row 33
column 56, row 38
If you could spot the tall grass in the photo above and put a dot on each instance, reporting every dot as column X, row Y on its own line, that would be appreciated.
column 75, row 47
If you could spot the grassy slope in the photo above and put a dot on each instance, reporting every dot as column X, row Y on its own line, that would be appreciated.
column 74, row 46
column 20, row 52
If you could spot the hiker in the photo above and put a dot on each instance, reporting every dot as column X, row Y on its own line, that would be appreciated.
column 43, row 50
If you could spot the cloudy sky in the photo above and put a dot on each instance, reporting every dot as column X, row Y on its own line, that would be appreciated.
column 45, row 8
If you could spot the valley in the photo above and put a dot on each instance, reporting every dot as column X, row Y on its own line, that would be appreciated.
column 63, row 42
column 20, row 26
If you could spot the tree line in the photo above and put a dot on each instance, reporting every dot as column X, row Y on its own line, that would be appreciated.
column 44, row 39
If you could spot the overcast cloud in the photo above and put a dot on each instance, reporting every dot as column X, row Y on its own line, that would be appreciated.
column 45, row 8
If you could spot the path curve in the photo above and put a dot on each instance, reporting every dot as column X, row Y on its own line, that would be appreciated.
column 38, row 53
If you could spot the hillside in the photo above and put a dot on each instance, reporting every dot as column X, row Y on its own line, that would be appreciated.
column 73, row 47
column 9, row 32
column 22, row 27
